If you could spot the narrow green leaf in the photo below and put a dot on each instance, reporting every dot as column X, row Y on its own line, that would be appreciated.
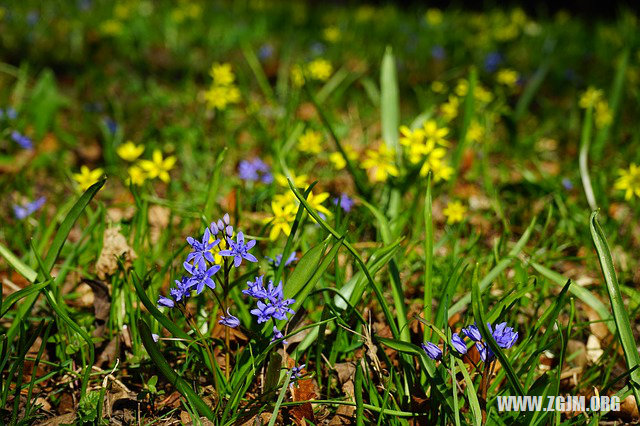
column 497, row 270
column 472, row 396
column 358, row 395
column 390, row 102
column 24, row 292
column 173, row 377
column 214, row 184
column 488, row 338
column 428, row 254
column 18, row 265
column 283, row 392
column 54, row 251
column 620, row 315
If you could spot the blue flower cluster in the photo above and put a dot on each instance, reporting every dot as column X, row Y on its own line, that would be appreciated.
column 276, row 262
column 253, row 170
column 22, row 140
column 504, row 336
column 271, row 303
column 27, row 209
column 200, row 263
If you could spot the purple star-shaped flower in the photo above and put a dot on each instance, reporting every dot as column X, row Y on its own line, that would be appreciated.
column 239, row 250
column 201, row 277
column 263, row 311
column 201, row 250
column 296, row 372
column 256, row 288
column 472, row 333
column 344, row 202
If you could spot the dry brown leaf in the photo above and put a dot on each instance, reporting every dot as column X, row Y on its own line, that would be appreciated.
column 114, row 246
column 303, row 390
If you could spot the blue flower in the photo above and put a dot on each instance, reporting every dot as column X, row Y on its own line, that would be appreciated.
column 222, row 226
column 504, row 336
column 459, row 344
column 229, row 320
column 182, row 290
column 265, row 52
column 9, row 112
column 296, row 372
column 165, row 301
column 112, row 126
column 22, row 212
column 432, row 351
column 567, row 184
column 201, row 250
column 155, row 337
column 277, row 334
column 21, row 140
column 201, row 276
column 263, row 311
column 492, row 61
column 276, row 306
column 344, row 202
column 276, row 262
column 239, row 250
column 438, row 53
column 472, row 333
column 256, row 288
column 253, row 170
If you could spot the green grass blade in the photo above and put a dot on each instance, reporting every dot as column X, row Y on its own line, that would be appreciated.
column 488, row 338
column 283, row 392
column 472, row 396
column 390, row 103
column 173, row 377
column 54, row 251
column 214, row 185
column 18, row 265
column 580, row 292
column 258, row 72
column 620, row 315
column 428, row 254
column 497, row 270
column 583, row 159
column 14, row 297
column 358, row 395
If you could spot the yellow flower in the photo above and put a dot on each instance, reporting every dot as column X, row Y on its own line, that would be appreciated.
column 137, row 176
column 462, row 87
column 438, row 87
column 411, row 137
column 220, row 96
column 379, row 164
column 475, row 133
column 482, row 95
column 158, row 167
column 604, row 116
column 320, row 69
column 435, row 134
column 281, row 220
column 222, row 74
column 454, row 212
column 87, row 177
column 436, row 164
column 315, row 201
column 338, row 160
column 297, row 76
column 449, row 110
column 590, row 97
column 286, row 198
column 130, row 151
column 111, row 27
column 332, row 34
column 300, row 181
column 310, row 142
column 508, row 77
column 629, row 181
column 434, row 16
